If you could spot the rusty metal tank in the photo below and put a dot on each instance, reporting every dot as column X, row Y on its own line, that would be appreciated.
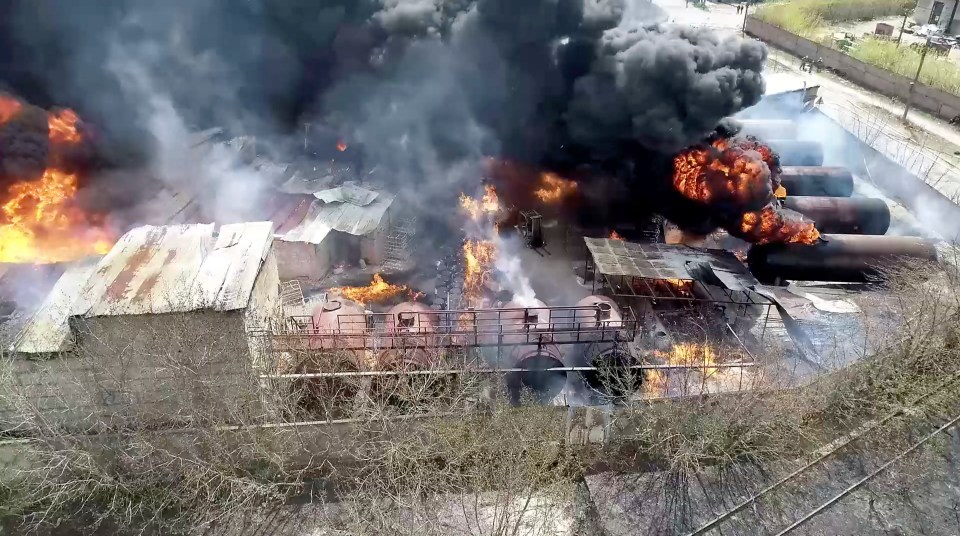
column 543, row 385
column 524, row 321
column 607, row 313
column 411, row 330
column 341, row 323
column 613, row 377
column 330, row 397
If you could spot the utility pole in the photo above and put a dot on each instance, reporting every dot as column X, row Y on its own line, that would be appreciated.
column 902, row 26
column 906, row 13
column 923, row 56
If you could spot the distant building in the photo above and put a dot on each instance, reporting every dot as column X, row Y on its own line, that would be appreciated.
column 942, row 13
column 334, row 226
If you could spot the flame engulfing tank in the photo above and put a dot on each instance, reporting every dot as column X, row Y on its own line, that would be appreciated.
column 852, row 258
column 798, row 153
column 817, row 181
column 613, row 376
column 543, row 384
column 843, row 215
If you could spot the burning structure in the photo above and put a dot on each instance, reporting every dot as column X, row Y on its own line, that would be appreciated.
column 499, row 125
column 343, row 224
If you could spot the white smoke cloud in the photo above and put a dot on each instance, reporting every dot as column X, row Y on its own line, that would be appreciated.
column 214, row 174
column 512, row 275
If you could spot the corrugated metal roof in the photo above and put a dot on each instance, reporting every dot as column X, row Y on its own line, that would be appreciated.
column 667, row 261
column 346, row 217
column 347, row 193
column 178, row 268
column 47, row 330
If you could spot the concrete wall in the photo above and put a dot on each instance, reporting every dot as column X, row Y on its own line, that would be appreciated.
column 932, row 100
column 302, row 260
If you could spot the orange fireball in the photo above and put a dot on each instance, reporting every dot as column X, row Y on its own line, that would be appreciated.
column 773, row 225
column 41, row 224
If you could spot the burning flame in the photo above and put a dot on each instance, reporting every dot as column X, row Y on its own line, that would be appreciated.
column 43, row 228
column 683, row 287
column 478, row 256
column 40, row 224
column 614, row 235
column 341, row 146
column 742, row 176
column 691, row 354
column 771, row 225
column 553, row 187
column 488, row 204
column 8, row 108
column 63, row 127
column 377, row 290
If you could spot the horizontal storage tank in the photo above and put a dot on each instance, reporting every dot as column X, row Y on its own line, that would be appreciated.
column 853, row 258
column 798, row 153
column 843, row 215
column 607, row 313
column 543, row 385
column 769, row 129
column 823, row 181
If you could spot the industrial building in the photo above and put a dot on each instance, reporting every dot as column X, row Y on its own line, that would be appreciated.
column 335, row 225
column 118, row 334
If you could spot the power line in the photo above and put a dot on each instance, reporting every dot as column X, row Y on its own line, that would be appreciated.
column 850, row 439
column 867, row 478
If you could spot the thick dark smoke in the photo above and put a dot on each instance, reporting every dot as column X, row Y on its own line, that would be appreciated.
column 24, row 150
column 427, row 88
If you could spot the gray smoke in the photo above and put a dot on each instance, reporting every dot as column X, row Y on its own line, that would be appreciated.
column 427, row 88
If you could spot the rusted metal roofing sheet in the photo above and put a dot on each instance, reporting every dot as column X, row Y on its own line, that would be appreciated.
column 667, row 261
column 344, row 216
column 47, row 330
column 178, row 268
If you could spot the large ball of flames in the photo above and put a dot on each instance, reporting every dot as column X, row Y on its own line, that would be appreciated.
column 724, row 175
column 40, row 222
column 739, row 179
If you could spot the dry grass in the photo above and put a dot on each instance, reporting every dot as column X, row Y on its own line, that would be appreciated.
column 807, row 17
column 938, row 71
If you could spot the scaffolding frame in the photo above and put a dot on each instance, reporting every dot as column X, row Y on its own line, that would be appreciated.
column 397, row 247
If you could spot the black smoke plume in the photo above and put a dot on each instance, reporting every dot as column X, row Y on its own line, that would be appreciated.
column 428, row 88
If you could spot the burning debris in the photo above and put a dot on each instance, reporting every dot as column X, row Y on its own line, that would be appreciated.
column 41, row 223
column 377, row 291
